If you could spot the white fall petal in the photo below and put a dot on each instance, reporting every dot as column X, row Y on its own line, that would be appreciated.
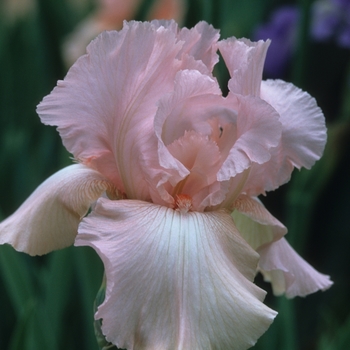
column 49, row 218
column 174, row 280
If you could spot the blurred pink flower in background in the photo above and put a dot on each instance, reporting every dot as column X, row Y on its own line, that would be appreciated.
column 14, row 10
column 110, row 15
column 175, row 169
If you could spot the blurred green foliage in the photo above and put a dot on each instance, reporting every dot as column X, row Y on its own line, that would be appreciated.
column 47, row 302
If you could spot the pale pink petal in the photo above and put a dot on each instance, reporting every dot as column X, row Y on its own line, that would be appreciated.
column 245, row 61
column 201, row 156
column 257, row 131
column 196, row 97
column 49, row 218
column 303, row 136
column 104, row 108
column 174, row 280
column 201, row 43
column 256, row 225
column 304, row 132
column 244, row 128
column 168, row 24
column 288, row 273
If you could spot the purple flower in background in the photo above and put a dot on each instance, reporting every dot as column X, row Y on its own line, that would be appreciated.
column 331, row 19
column 282, row 30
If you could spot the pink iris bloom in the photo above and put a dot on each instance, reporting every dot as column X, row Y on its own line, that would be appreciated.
column 171, row 170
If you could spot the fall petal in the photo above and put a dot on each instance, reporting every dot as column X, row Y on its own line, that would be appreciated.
column 174, row 280
column 245, row 61
column 289, row 273
column 303, row 136
column 49, row 218
column 257, row 226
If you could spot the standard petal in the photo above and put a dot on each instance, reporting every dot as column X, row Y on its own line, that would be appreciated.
column 289, row 273
column 245, row 61
column 49, row 218
column 174, row 280
column 258, row 130
column 256, row 225
column 105, row 106
column 201, row 157
column 196, row 98
column 200, row 42
column 303, row 136
column 304, row 132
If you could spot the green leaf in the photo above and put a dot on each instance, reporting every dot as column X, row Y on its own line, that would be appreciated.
column 19, row 284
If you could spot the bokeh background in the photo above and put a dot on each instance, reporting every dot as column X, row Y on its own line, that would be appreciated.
column 47, row 302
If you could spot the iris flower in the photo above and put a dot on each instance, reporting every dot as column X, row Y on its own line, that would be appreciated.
column 171, row 170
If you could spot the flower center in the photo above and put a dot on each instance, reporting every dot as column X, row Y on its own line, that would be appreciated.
column 183, row 203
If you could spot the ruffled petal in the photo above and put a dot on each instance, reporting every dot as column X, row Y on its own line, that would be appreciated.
column 304, row 132
column 196, row 98
column 105, row 106
column 256, row 225
column 201, row 43
column 201, row 157
column 49, row 218
column 257, row 131
column 245, row 61
column 174, row 280
column 303, row 136
column 288, row 273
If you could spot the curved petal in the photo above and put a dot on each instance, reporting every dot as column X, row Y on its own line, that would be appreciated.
column 256, row 225
column 258, row 130
column 245, row 61
column 174, row 280
column 105, row 106
column 303, row 136
column 288, row 272
column 196, row 97
column 49, row 218
column 201, row 157
column 201, row 43
column 304, row 132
